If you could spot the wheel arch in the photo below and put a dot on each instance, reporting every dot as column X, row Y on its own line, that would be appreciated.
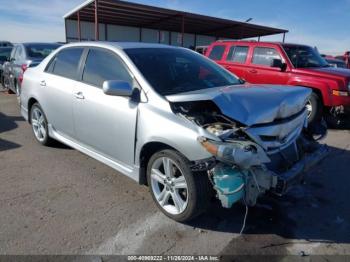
column 146, row 153
column 31, row 102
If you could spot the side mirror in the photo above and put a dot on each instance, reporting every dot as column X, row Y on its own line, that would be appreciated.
column 278, row 63
column 117, row 88
column 242, row 81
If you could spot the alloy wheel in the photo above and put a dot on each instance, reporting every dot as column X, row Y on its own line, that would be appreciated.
column 39, row 124
column 308, row 108
column 169, row 185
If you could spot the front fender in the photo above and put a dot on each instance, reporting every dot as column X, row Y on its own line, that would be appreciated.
column 163, row 126
column 323, row 88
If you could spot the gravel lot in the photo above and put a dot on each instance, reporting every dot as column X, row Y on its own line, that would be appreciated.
column 55, row 200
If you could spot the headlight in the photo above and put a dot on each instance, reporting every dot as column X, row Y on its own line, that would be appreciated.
column 240, row 153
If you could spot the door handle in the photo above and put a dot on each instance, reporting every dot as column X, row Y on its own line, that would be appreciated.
column 79, row 95
column 43, row 83
column 253, row 71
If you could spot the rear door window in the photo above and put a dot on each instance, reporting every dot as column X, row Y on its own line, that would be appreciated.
column 265, row 56
column 238, row 54
column 66, row 63
column 217, row 52
column 102, row 65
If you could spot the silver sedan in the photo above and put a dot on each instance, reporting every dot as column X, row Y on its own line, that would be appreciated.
column 172, row 119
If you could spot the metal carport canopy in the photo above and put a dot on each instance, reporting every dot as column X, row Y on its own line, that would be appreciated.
column 138, row 15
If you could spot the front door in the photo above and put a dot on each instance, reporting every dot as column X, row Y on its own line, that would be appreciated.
column 105, row 124
column 261, row 69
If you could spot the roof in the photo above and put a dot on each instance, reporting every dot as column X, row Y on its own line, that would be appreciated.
column 259, row 42
column 120, row 45
column 138, row 15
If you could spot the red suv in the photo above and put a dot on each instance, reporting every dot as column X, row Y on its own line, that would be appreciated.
column 287, row 64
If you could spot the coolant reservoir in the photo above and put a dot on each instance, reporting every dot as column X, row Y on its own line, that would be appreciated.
column 229, row 184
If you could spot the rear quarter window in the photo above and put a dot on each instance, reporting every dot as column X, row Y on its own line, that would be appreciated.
column 217, row 52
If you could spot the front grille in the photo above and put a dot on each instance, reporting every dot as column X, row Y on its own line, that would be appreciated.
column 283, row 160
column 278, row 135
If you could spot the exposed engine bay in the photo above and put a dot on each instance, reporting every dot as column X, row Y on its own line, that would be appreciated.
column 251, row 160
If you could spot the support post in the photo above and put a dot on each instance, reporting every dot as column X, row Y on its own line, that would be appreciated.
column 140, row 36
column 65, row 29
column 106, row 32
column 97, row 33
column 284, row 37
column 79, row 28
column 183, row 31
column 258, row 38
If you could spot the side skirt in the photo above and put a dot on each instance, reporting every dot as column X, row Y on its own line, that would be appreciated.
column 133, row 173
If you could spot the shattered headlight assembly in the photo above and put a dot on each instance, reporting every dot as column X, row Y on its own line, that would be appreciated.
column 243, row 154
column 237, row 159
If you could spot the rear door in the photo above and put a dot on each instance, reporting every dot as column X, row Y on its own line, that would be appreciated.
column 57, row 86
column 261, row 68
column 236, row 60
column 105, row 124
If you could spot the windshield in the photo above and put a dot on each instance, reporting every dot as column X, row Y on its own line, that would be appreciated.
column 172, row 71
column 40, row 51
column 304, row 56
column 4, row 54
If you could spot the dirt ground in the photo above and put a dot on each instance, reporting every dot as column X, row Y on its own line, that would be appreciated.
column 55, row 200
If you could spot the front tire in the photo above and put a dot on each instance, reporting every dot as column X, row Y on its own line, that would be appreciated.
column 178, row 192
column 315, row 108
column 39, row 124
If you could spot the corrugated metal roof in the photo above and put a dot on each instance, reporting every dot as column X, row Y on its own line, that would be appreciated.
column 138, row 15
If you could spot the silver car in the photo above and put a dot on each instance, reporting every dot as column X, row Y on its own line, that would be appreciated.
column 174, row 120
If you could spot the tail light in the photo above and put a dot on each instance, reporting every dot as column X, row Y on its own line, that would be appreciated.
column 24, row 67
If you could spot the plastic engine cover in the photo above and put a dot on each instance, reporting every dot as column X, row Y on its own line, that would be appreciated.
column 229, row 184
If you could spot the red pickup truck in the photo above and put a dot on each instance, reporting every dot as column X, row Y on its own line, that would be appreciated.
column 287, row 64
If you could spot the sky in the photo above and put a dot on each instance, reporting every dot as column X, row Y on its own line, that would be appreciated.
column 321, row 23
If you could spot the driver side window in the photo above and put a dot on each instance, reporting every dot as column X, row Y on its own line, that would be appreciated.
column 265, row 56
column 103, row 65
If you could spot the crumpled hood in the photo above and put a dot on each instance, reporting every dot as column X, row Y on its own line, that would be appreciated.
column 251, row 104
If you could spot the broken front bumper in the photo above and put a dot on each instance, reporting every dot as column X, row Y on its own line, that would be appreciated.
column 295, row 174
column 242, row 172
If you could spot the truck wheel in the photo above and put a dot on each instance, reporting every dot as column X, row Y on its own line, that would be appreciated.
column 315, row 108
column 178, row 192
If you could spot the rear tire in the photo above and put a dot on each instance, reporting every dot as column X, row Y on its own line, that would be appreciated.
column 315, row 108
column 195, row 191
column 39, row 124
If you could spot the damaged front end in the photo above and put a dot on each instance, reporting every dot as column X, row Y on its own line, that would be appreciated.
column 251, row 160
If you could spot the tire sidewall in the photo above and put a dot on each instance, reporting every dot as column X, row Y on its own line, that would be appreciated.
column 316, row 113
column 192, row 195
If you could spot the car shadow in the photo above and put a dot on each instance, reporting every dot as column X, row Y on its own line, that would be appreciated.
column 317, row 210
column 8, row 123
